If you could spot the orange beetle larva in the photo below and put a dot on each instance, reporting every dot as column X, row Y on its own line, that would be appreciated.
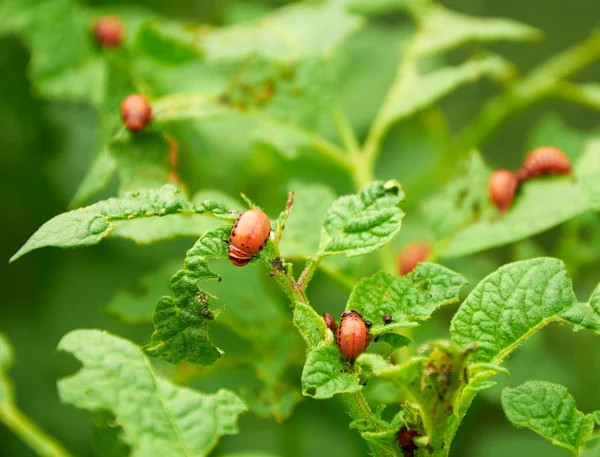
column 502, row 188
column 329, row 321
column 136, row 112
column 352, row 336
column 544, row 160
column 109, row 31
column 249, row 235
column 410, row 256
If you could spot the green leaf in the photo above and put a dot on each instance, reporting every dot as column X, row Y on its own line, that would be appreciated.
column 540, row 205
column 511, row 304
column 181, row 320
column 96, row 178
column 374, row 7
column 287, row 34
column 596, row 415
column 362, row 223
column 310, row 325
column 419, row 91
column 168, row 42
column 143, row 161
column 184, row 422
column 395, row 340
column 588, row 173
column 462, row 200
column 88, row 226
column 408, row 299
column 151, row 230
column 302, row 229
column 325, row 374
column 463, row 210
column 251, row 125
column 443, row 30
column 595, row 300
column 550, row 411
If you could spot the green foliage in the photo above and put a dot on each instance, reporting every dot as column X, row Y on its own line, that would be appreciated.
column 443, row 30
column 303, row 227
column 550, row 411
column 358, row 224
column 88, row 226
column 184, row 422
column 464, row 214
column 514, row 302
column 300, row 98
column 408, row 299
column 181, row 320
column 420, row 91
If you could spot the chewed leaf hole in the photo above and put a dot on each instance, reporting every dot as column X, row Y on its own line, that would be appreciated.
column 423, row 286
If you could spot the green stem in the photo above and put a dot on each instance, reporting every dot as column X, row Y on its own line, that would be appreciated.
column 579, row 94
column 539, row 83
column 347, row 133
column 36, row 438
column 381, row 123
column 359, row 410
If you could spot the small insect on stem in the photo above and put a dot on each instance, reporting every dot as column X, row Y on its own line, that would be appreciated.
column 109, row 31
column 249, row 235
column 387, row 318
column 136, row 112
column 352, row 335
column 410, row 256
column 544, row 160
column 330, row 322
column 502, row 187
column 405, row 440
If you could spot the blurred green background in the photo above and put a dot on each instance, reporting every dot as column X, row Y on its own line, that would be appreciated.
column 45, row 148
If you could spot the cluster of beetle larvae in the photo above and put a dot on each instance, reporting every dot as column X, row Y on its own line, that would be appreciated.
column 252, row 229
column 249, row 235
column 503, row 184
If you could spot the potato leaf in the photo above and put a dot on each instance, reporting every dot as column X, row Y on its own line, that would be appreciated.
column 515, row 301
column 417, row 92
column 181, row 319
column 303, row 227
column 184, row 422
column 443, row 30
column 408, row 299
column 550, row 411
column 287, row 34
column 88, row 226
column 362, row 223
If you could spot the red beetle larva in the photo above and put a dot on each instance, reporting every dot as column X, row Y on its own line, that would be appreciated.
column 502, row 188
column 109, row 31
column 136, row 112
column 329, row 321
column 352, row 336
column 405, row 440
column 249, row 235
column 410, row 256
column 544, row 160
